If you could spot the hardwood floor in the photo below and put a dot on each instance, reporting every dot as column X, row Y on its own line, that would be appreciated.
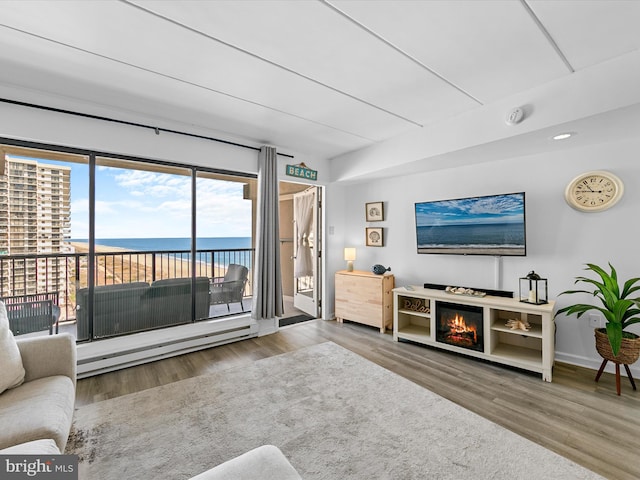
column 573, row 416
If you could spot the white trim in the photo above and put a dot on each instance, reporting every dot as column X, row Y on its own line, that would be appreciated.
column 594, row 364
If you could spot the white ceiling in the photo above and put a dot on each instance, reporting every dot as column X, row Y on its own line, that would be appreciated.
column 317, row 77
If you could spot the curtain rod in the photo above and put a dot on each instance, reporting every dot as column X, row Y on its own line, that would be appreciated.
column 133, row 124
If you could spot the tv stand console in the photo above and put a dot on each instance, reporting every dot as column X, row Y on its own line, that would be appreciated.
column 415, row 319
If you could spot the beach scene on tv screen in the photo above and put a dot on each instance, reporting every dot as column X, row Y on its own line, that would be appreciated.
column 491, row 225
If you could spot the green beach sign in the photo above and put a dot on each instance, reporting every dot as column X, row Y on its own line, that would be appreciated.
column 301, row 171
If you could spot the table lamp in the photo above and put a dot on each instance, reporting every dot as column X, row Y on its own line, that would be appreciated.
column 349, row 256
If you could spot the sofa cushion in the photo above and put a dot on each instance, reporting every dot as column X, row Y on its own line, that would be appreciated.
column 263, row 463
column 12, row 371
column 47, row 356
column 35, row 447
column 37, row 410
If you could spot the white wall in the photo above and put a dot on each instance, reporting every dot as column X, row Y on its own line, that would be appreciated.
column 30, row 124
column 560, row 239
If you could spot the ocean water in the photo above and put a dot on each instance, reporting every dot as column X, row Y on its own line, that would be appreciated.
column 500, row 235
column 184, row 244
column 173, row 244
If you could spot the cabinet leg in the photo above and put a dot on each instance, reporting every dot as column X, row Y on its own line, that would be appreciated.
column 339, row 320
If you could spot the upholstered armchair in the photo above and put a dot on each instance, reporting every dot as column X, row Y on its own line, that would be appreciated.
column 230, row 289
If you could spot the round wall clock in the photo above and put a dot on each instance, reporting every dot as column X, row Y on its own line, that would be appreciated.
column 594, row 191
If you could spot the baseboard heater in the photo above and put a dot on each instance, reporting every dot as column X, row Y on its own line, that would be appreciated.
column 104, row 356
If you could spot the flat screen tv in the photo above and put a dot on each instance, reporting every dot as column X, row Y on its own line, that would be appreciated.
column 488, row 225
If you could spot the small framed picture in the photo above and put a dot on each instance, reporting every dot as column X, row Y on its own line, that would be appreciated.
column 374, row 237
column 375, row 211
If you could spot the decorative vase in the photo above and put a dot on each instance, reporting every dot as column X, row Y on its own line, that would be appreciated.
column 379, row 269
column 629, row 349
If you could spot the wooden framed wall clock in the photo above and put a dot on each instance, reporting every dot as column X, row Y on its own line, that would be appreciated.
column 594, row 191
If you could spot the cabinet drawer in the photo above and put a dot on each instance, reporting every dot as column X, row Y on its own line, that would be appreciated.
column 359, row 290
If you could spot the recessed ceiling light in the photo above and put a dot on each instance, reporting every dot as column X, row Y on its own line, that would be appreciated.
column 563, row 136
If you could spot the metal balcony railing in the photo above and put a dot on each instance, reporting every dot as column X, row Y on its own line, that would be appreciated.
column 66, row 274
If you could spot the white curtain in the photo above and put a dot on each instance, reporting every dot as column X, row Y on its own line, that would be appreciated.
column 304, row 208
column 267, row 278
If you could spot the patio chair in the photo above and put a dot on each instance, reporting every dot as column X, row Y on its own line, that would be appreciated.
column 32, row 312
column 230, row 289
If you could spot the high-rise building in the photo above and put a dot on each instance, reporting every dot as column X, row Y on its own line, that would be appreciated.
column 34, row 220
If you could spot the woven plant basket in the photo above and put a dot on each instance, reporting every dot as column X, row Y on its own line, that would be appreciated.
column 629, row 349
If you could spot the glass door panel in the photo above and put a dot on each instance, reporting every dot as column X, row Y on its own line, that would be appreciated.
column 142, row 266
column 225, row 216
column 38, row 219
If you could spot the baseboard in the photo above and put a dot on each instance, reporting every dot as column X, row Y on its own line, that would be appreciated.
column 594, row 364
column 104, row 356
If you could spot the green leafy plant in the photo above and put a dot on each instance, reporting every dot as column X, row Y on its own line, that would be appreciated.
column 618, row 309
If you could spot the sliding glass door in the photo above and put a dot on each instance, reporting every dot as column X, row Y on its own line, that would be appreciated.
column 123, row 244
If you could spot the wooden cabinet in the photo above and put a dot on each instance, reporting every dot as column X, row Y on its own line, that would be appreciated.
column 415, row 320
column 365, row 297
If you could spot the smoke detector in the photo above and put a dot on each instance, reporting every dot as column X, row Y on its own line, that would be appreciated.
column 514, row 116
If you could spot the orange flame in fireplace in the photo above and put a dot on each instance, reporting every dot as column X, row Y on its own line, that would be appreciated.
column 457, row 325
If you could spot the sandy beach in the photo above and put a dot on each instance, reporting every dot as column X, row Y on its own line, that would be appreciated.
column 84, row 248
column 138, row 267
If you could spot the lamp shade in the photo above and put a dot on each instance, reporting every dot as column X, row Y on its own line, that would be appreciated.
column 349, row 253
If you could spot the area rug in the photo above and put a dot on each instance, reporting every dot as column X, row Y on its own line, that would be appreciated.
column 334, row 414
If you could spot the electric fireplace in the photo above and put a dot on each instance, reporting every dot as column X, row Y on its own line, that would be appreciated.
column 460, row 325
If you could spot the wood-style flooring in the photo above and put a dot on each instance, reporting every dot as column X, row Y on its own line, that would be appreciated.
column 573, row 416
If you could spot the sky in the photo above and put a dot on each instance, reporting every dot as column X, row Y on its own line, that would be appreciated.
column 477, row 210
column 142, row 204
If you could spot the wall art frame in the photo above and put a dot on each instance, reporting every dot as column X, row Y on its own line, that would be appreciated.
column 374, row 237
column 374, row 211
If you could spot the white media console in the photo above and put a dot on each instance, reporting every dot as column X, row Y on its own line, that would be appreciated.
column 415, row 319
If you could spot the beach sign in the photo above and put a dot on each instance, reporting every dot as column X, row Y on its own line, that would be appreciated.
column 301, row 171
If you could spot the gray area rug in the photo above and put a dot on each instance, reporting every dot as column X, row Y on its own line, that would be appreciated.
column 334, row 414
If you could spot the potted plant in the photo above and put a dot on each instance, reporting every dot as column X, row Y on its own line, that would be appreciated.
column 618, row 309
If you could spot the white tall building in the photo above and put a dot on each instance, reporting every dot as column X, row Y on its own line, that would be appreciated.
column 34, row 220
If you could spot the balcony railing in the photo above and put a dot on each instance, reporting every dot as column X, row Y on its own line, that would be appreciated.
column 66, row 274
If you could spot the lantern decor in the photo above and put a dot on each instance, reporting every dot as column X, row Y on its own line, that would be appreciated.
column 533, row 289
